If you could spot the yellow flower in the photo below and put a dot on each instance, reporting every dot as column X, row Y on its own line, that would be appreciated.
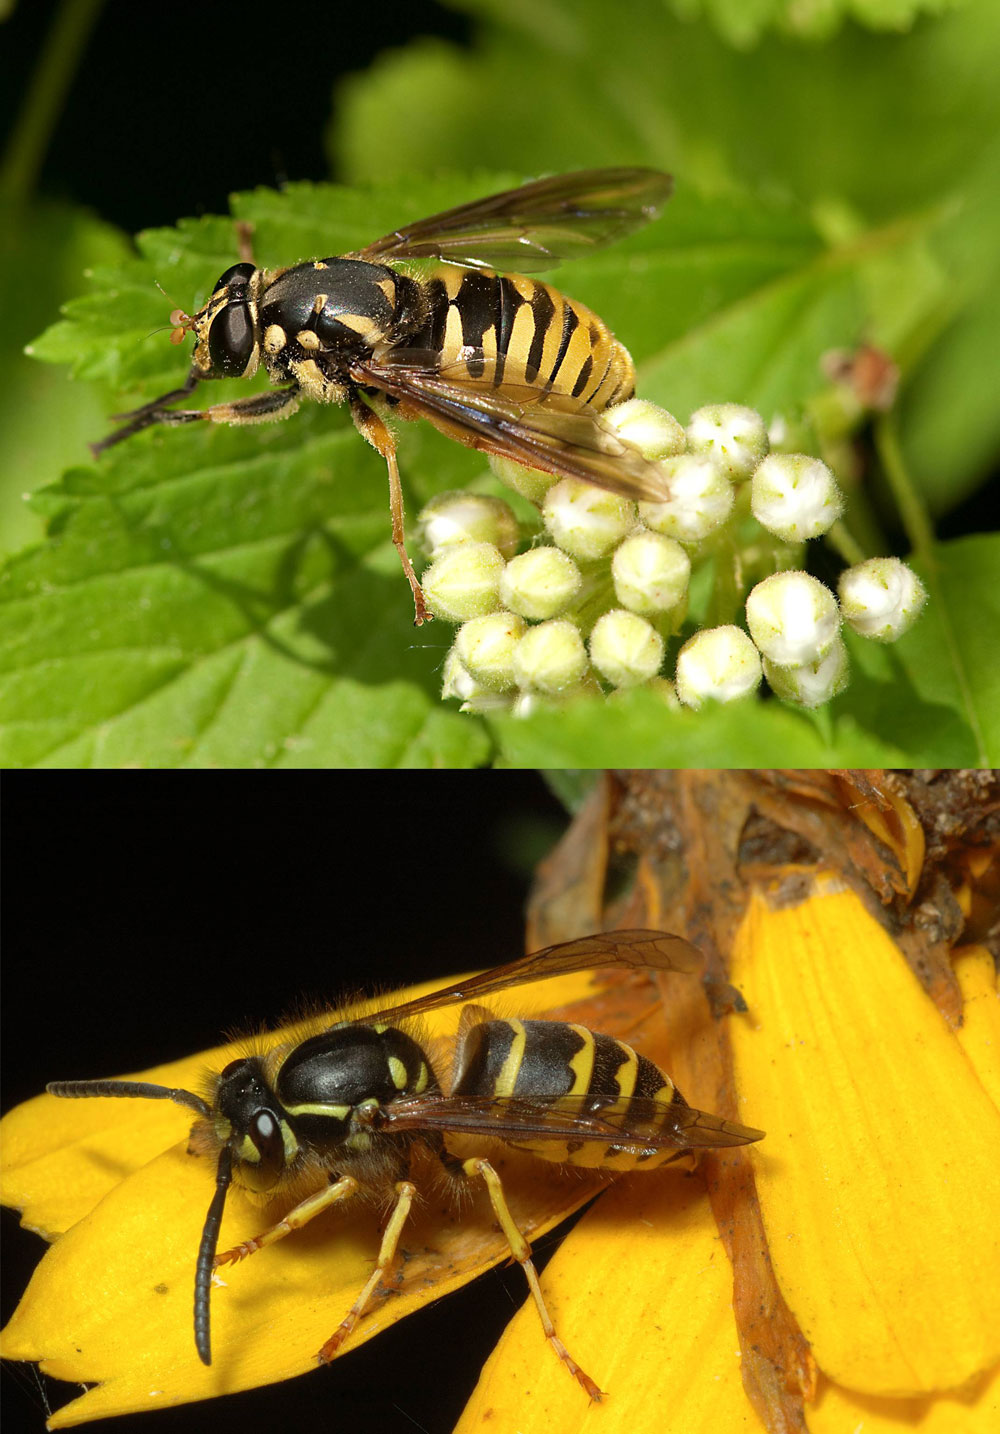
column 878, row 1186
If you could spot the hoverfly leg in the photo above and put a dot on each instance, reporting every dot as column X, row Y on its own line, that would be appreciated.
column 521, row 1251
column 370, row 426
column 405, row 1192
column 298, row 1216
column 258, row 408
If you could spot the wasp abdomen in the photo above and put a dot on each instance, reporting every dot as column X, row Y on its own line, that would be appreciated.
column 491, row 328
column 544, row 1061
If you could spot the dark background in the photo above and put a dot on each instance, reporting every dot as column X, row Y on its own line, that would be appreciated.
column 176, row 105
column 146, row 917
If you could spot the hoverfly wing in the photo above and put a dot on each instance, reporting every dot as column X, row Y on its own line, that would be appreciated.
column 621, row 950
column 524, row 423
column 640, row 1124
column 537, row 225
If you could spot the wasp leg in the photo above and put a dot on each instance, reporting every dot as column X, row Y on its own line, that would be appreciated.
column 370, row 426
column 521, row 1251
column 405, row 1191
column 298, row 1216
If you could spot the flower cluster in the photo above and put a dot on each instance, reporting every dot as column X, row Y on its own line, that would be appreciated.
column 597, row 599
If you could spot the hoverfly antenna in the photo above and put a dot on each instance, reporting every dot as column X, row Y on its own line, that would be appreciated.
column 180, row 322
column 206, row 1257
column 133, row 1089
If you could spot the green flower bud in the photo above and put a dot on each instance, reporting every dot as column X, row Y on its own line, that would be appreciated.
column 531, row 483
column 473, row 695
column 550, row 658
column 625, row 648
column 650, row 573
column 735, row 436
column 881, row 598
column 701, row 499
column 651, row 429
column 794, row 496
column 792, row 618
column 718, row 663
column 486, row 646
column 813, row 683
column 585, row 521
column 464, row 581
column 540, row 583
column 463, row 517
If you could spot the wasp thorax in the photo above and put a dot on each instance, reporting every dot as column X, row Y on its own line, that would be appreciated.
column 333, row 1073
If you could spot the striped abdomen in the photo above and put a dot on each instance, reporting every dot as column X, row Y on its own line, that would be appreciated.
column 545, row 1060
column 490, row 328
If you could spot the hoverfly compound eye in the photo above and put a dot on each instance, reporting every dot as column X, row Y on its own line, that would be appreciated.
column 230, row 340
column 236, row 277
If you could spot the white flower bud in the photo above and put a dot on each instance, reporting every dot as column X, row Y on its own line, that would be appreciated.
column 486, row 647
column 625, row 648
column 794, row 496
column 881, row 598
column 701, row 499
column 655, row 432
column 473, row 695
column 815, row 682
column 650, row 573
column 464, row 581
column 792, row 618
column 720, row 663
column 531, row 483
column 585, row 521
column 541, row 583
column 735, row 436
column 550, row 657
column 464, row 517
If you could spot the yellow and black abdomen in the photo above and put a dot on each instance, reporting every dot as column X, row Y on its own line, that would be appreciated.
column 543, row 1062
column 490, row 328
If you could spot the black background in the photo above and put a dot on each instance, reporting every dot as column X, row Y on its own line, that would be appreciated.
column 176, row 105
column 145, row 917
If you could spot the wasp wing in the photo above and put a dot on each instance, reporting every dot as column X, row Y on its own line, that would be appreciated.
column 621, row 950
column 522, row 422
column 537, row 225
column 639, row 1125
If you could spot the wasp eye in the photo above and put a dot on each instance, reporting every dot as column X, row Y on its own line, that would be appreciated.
column 230, row 340
column 266, row 1136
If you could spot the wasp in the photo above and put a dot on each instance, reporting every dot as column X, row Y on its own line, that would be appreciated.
column 343, row 1111
column 497, row 361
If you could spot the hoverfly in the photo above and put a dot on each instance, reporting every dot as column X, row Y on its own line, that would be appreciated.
column 499, row 362
column 342, row 1111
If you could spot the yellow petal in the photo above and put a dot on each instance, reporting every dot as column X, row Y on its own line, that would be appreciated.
column 973, row 1411
column 880, row 1175
column 979, row 1033
column 641, row 1295
column 111, row 1302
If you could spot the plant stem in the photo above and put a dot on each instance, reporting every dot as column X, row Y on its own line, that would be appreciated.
column 62, row 50
column 911, row 506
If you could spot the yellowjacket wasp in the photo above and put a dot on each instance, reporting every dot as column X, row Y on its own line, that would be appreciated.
column 341, row 1112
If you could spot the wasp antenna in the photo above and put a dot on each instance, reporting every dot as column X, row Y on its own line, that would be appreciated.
column 206, row 1257
column 136, row 1089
